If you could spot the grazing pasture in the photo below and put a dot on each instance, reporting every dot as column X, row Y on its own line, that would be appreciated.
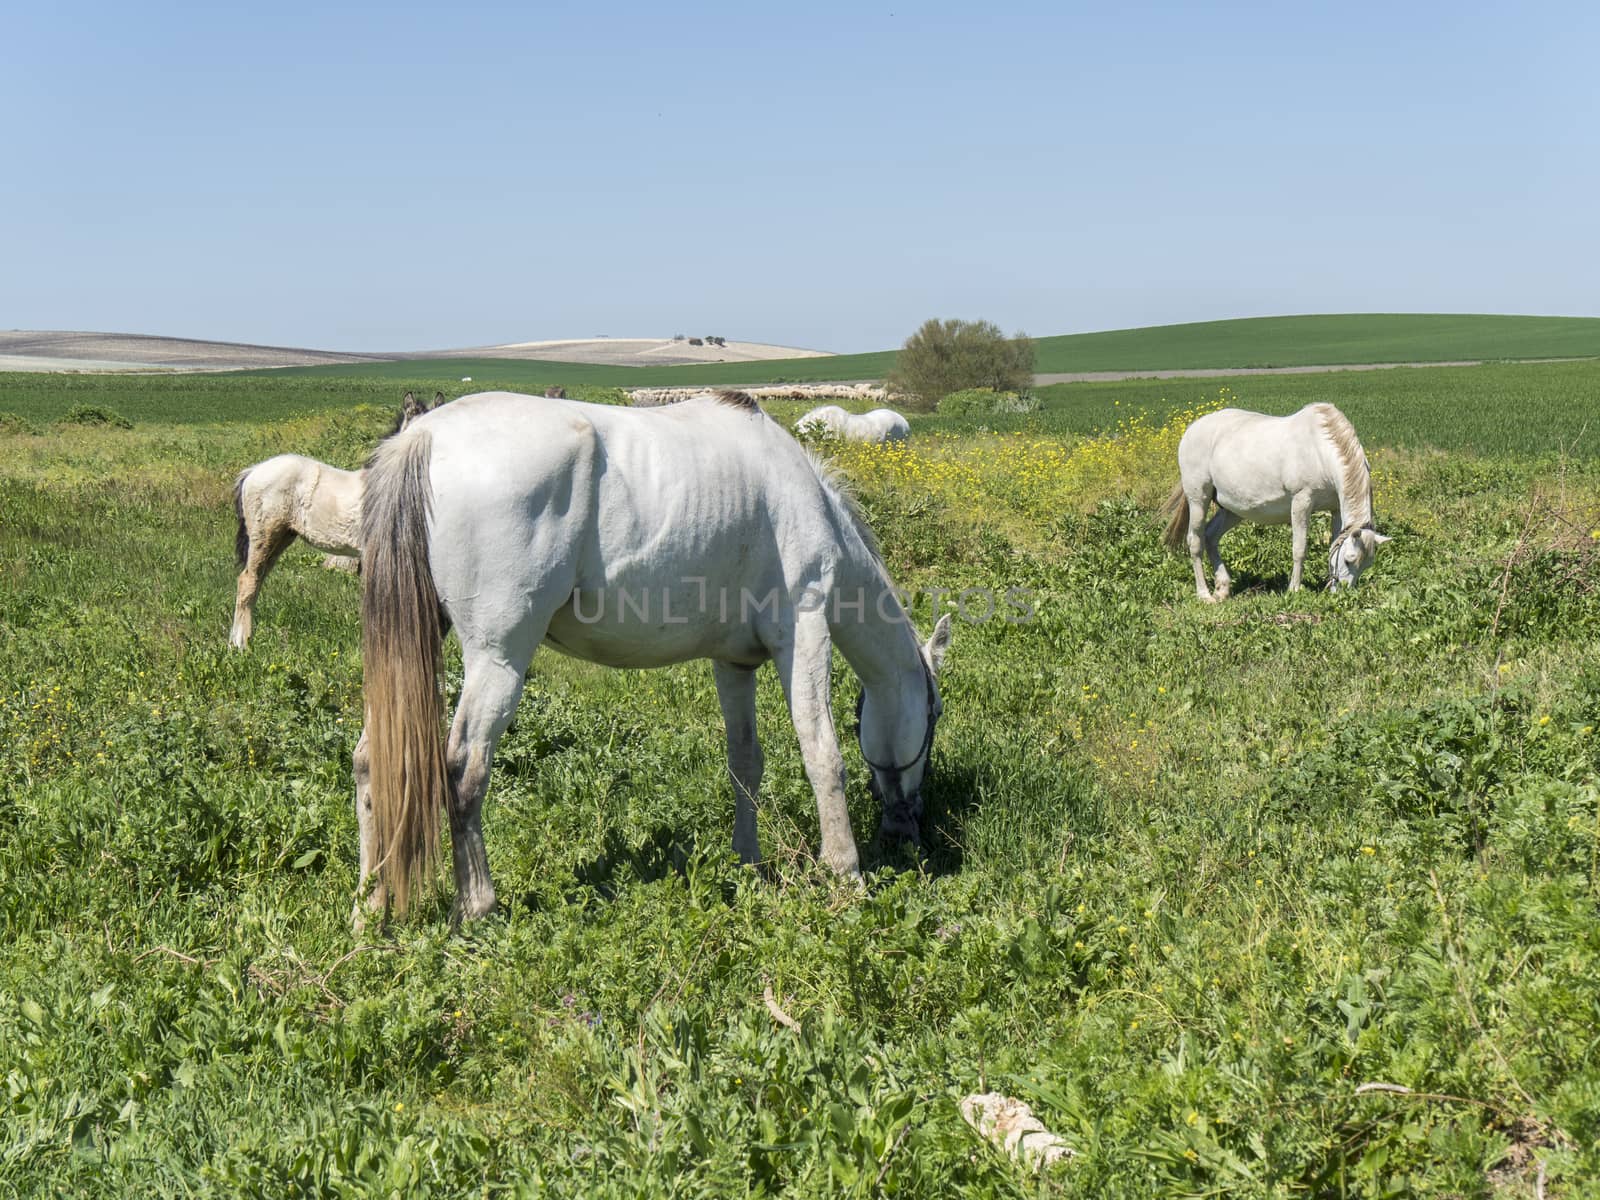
column 1194, row 875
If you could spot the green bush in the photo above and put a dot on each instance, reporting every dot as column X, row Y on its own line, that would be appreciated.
column 96, row 414
column 947, row 356
column 985, row 402
column 14, row 423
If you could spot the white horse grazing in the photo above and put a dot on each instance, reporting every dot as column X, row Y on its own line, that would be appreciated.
column 293, row 495
column 278, row 499
column 631, row 537
column 1274, row 471
column 879, row 425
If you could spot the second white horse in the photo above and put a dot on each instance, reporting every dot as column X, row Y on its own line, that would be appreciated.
column 1273, row 471
column 879, row 425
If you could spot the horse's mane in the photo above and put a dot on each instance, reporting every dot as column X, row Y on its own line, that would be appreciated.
column 842, row 495
column 1357, row 484
column 737, row 399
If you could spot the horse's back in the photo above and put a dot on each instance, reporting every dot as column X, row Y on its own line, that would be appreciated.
column 542, row 503
column 284, row 481
column 826, row 417
column 889, row 425
column 1254, row 463
column 609, row 486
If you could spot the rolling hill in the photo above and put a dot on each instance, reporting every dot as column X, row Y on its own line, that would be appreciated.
column 1255, row 342
column 1250, row 343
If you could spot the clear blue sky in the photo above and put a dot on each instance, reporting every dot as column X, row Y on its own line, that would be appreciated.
column 405, row 176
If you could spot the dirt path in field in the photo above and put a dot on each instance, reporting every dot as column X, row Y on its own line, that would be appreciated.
column 1227, row 372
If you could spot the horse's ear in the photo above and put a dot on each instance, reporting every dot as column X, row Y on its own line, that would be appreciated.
column 938, row 644
column 438, row 399
column 1379, row 539
column 408, row 398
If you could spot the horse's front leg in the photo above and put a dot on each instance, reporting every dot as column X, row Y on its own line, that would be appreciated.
column 1299, row 523
column 803, row 666
column 736, row 691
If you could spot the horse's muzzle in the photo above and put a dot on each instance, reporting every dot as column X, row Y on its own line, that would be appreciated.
column 902, row 814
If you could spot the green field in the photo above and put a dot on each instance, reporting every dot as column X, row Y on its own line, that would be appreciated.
column 1533, row 408
column 1255, row 342
column 1322, row 341
column 1195, row 874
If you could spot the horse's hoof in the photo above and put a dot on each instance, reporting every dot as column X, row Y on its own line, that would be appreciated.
column 462, row 911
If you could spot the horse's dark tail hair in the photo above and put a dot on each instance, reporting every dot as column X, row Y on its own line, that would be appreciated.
column 241, row 539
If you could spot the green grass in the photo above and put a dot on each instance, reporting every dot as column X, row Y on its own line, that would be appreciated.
column 1254, row 342
column 1195, row 873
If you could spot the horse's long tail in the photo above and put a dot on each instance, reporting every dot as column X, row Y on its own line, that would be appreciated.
column 241, row 538
column 1177, row 514
column 401, row 641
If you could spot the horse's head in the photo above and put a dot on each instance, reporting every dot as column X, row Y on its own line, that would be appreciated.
column 1352, row 552
column 410, row 409
column 894, row 728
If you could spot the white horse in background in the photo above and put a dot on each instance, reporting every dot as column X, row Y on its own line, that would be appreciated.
column 630, row 537
column 880, row 425
column 291, row 495
column 1273, row 471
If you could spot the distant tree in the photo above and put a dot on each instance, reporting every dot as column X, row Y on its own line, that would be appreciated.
column 949, row 356
column 677, row 337
column 696, row 342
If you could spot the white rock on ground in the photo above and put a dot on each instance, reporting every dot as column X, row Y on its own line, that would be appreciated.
column 1011, row 1125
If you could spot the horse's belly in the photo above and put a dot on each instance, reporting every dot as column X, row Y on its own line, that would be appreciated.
column 1256, row 507
column 653, row 627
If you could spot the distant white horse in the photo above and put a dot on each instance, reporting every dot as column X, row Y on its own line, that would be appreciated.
column 1273, row 471
column 633, row 538
column 293, row 495
column 879, row 425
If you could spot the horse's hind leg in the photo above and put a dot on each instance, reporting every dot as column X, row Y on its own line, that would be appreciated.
column 490, row 689
column 265, row 546
column 375, row 901
column 803, row 664
column 1220, row 523
column 736, row 690
column 1195, row 540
